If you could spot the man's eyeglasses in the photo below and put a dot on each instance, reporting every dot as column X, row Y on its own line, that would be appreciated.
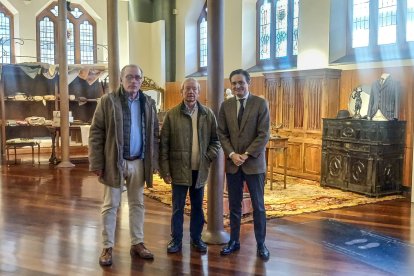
column 131, row 77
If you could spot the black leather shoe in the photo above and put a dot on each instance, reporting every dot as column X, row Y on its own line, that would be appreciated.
column 263, row 252
column 230, row 248
column 199, row 245
column 174, row 246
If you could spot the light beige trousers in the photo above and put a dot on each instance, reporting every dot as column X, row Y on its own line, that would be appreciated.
column 134, row 182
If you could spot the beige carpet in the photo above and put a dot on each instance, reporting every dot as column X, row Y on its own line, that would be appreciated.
column 300, row 196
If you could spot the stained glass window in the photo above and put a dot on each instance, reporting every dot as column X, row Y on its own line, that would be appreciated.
column 80, row 35
column 375, row 30
column 47, row 40
column 86, row 43
column 281, row 28
column 70, row 48
column 384, row 16
column 265, row 19
column 76, row 13
column 5, row 37
column 360, row 37
column 410, row 20
column 55, row 10
column 6, row 53
column 202, row 39
column 203, row 43
column 295, row 26
column 277, row 32
column 387, row 21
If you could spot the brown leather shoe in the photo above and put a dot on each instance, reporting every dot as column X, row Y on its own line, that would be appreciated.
column 141, row 251
column 106, row 257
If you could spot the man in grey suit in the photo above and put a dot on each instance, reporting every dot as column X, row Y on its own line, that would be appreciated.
column 243, row 129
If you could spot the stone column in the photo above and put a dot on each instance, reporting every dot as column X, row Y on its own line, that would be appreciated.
column 113, row 45
column 3, row 119
column 63, row 86
column 215, row 233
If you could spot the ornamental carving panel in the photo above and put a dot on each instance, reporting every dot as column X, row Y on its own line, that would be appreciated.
column 358, row 171
column 335, row 165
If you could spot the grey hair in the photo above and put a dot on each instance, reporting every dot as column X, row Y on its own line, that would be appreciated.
column 131, row 66
column 190, row 79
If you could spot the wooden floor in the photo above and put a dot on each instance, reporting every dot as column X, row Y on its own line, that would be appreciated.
column 50, row 225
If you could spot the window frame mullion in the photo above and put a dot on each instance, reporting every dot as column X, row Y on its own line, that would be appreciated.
column 402, row 26
column 289, row 50
column 373, row 24
column 273, row 32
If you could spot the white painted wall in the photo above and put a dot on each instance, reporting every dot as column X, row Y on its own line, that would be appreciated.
column 123, row 7
column 233, row 44
column 186, row 36
column 313, row 37
column 248, row 51
column 147, row 49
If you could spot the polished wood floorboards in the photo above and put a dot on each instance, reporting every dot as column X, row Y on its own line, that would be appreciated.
column 50, row 225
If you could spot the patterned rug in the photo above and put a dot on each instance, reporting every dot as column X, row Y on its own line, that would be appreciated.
column 300, row 196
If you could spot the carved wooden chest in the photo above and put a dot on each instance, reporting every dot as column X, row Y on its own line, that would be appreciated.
column 363, row 156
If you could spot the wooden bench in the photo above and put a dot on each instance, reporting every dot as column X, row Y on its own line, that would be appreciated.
column 15, row 144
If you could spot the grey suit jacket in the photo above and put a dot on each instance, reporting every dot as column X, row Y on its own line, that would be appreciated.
column 385, row 97
column 251, row 137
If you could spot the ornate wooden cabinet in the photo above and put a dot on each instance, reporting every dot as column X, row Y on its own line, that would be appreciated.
column 363, row 156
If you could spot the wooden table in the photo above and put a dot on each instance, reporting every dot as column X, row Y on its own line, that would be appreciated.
column 275, row 145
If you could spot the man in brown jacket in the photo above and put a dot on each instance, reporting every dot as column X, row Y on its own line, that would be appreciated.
column 243, row 129
column 123, row 150
column 188, row 144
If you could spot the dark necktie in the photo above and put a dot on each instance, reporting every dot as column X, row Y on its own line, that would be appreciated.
column 241, row 110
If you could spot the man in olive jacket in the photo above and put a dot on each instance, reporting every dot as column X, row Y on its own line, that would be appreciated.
column 188, row 144
column 123, row 150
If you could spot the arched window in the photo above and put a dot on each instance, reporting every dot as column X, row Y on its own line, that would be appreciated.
column 6, row 35
column 81, row 35
column 202, row 39
column 277, row 33
column 379, row 30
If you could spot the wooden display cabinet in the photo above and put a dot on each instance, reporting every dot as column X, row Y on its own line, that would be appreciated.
column 21, row 96
column 30, row 87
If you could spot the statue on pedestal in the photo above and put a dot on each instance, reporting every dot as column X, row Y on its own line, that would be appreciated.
column 356, row 95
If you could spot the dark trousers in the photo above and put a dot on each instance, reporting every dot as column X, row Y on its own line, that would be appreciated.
column 179, row 194
column 255, row 183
